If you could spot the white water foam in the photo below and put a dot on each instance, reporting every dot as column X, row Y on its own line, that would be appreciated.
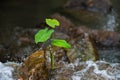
column 114, row 74
column 111, row 72
column 5, row 72
column 7, row 69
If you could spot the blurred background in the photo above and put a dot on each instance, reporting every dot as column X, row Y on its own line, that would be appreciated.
column 26, row 13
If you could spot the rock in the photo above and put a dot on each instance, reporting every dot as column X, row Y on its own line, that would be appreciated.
column 106, row 38
column 65, row 23
column 83, row 48
column 78, row 31
column 109, row 54
column 16, row 44
column 106, row 42
column 99, row 6
column 59, row 57
column 33, row 68
column 91, row 13
column 101, row 38
column 85, row 17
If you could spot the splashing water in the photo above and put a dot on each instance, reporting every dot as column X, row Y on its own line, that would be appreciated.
column 89, row 70
column 111, row 22
column 6, row 70
column 110, row 73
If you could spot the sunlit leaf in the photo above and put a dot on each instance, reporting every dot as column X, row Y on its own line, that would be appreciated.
column 52, row 22
column 43, row 35
column 60, row 43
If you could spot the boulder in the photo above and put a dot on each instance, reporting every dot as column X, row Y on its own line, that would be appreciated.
column 101, row 38
column 106, row 38
column 33, row 68
column 83, row 48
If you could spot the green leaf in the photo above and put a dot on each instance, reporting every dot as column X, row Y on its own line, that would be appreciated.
column 60, row 43
column 43, row 35
column 52, row 23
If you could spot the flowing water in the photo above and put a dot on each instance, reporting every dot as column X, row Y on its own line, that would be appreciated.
column 99, row 70
column 111, row 22
column 5, row 72
column 113, row 54
column 106, row 74
column 8, row 71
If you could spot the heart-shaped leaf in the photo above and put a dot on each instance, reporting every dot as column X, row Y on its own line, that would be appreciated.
column 52, row 23
column 43, row 35
column 60, row 43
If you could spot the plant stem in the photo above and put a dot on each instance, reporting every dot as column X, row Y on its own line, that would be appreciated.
column 52, row 58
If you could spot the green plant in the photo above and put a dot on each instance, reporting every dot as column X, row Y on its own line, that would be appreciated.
column 44, row 36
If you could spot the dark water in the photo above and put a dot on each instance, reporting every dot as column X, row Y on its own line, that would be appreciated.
column 26, row 13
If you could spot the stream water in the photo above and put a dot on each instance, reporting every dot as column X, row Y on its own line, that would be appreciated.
column 110, row 72
column 10, row 70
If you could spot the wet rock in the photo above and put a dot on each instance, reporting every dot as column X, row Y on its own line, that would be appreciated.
column 103, row 65
column 37, row 66
column 92, row 13
column 106, row 42
column 60, row 35
column 33, row 68
column 65, row 23
column 78, row 31
column 106, row 38
column 62, row 74
column 83, row 48
column 101, row 38
column 84, row 17
column 102, row 6
column 109, row 54
column 16, row 44
column 60, row 56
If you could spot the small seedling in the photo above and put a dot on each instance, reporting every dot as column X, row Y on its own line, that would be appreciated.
column 44, row 36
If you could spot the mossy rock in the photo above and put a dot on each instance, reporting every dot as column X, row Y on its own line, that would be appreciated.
column 83, row 48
